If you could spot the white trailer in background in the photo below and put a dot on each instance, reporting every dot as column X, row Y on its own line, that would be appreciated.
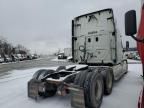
column 68, row 52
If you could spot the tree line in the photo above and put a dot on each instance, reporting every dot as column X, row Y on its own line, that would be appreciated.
column 6, row 48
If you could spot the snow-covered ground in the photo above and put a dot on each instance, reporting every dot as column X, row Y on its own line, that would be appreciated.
column 56, row 59
column 13, row 91
column 130, row 61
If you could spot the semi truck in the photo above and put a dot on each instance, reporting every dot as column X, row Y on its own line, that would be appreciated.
column 131, row 30
column 98, row 59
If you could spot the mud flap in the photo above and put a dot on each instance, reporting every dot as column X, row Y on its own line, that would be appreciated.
column 33, row 89
column 77, row 97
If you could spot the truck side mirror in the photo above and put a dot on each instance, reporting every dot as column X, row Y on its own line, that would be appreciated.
column 130, row 23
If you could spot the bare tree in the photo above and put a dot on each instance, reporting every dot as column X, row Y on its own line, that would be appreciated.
column 8, row 49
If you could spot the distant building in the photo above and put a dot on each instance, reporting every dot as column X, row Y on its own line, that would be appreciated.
column 67, row 52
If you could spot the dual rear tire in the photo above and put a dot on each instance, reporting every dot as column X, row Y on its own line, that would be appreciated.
column 38, row 76
column 108, row 79
column 94, row 86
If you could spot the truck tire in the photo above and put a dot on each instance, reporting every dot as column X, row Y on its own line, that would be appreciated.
column 86, row 89
column 77, row 78
column 83, row 77
column 60, row 68
column 42, row 73
column 108, row 79
column 80, row 78
column 126, row 63
column 93, row 89
column 37, row 73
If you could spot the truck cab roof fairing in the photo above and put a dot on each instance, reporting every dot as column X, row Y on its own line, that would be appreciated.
column 110, row 9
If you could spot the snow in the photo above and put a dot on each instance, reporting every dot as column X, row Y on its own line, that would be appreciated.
column 77, row 67
column 130, row 61
column 56, row 59
column 13, row 87
column 126, row 92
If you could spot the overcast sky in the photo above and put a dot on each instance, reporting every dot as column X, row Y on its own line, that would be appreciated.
column 45, row 25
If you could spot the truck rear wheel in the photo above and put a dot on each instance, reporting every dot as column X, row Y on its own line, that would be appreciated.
column 42, row 73
column 60, row 68
column 93, row 89
column 80, row 78
column 108, row 78
column 125, row 67
column 92, row 83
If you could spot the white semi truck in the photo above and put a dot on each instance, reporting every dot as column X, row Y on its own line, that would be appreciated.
column 98, row 56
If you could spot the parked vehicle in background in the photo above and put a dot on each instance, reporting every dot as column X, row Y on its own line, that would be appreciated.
column 70, row 58
column 34, row 56
column 16, row 58
column 25, row 57
column 137, row 57
column 13, row 58
column 1, row 60
column 29, row 57
column 131, row 56
column 62, row 56
column 7, row 59
column 19, row 56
